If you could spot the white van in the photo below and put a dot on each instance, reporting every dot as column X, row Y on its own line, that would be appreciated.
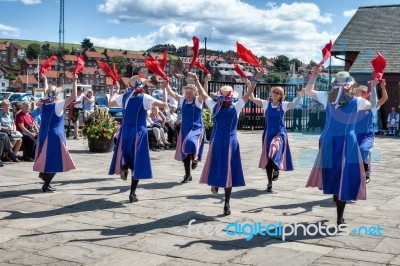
column 67, row 88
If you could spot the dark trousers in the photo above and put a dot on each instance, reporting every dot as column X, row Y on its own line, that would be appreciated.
column 5, row 145
column 29, row 145
column 297, row 116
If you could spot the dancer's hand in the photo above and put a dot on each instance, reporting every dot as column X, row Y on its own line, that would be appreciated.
column 192, row 75
column 317, row 70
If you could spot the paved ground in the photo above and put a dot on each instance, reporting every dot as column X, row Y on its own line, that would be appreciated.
column 90, row 221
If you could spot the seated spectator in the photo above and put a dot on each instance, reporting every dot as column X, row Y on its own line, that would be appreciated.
column 171, row 120
column 7, row 125
column 393, row 122
column 16, row 108
column 158, row 130
column 29, row 129
column 37, row 114
column 5, row 148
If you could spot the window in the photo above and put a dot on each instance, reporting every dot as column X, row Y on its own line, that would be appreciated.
column 14, row 60
column 3, row 84
column 97, row 76
column 3, row 52
column 87, row 75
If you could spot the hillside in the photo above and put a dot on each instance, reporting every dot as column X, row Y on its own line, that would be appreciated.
column 69, row 46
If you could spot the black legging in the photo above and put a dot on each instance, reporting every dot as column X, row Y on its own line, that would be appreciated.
column 228, row 192
column 28, row 146
column 134, row 184
column 186, row 164
column 269, row 168
column 47, row 177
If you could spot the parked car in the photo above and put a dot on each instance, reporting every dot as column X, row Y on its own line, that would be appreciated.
column 158, row 94
column 102, row 101
column 5, row 95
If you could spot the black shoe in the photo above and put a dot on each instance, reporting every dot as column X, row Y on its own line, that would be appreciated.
column 186, row 179
column 269, row 187
column 124, row 172
column 340, row 221
column 275, row 175
column 194, row 164
column 133, row 198
column 48, row 188
column 1, row 164
column 367, row 179
column 28, row 159
column 227, row 210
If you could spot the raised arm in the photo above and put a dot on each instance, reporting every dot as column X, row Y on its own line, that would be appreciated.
column 206, row 80
column 173, row 94
column 202, row 93
column 384, row 97
column 71, row 98
column 298, row 99
column 250, row 89
column 113, row 96
column 310, row 91
column 46, row 85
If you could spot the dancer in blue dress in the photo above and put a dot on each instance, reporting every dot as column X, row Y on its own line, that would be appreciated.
column 190, row 143
column 52, row 155
column 223, row 166
column 364, row 126
column 132, row 148
column 275, row 153
column 338, row 169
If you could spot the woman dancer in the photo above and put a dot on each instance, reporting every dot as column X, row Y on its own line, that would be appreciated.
column 132, row 148
column 189, row 147
column 364, row 127
column 338, row 169
column 52, row 155
column 223, row 166
column 275, row 153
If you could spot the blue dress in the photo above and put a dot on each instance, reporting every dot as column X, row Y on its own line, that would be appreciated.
column 275, row 144
column 191, row 136
column 132, row 146
column 338, row 168
column 223, row 166
column 365, row 133
column 52, row 155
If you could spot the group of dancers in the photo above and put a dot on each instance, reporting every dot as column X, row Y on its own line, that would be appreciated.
column 342, row 166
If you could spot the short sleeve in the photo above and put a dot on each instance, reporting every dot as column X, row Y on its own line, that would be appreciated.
column 59, row 109
column 239, row 105
column 19, row 119
column 362, row 103
column 265, row 104
column 210, row 103
column 119, row 100
column 148, row 101
column 322, row 97
column 198, row 104
column 285, row 106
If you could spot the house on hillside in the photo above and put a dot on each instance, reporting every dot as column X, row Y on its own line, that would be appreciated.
column 373, row 29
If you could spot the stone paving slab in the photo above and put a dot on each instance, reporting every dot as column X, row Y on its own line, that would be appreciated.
column 89, row 220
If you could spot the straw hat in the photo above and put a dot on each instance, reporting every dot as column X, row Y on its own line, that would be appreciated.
column 133, row 79
column 344, row 77
column 53, row 88
column 225, row 90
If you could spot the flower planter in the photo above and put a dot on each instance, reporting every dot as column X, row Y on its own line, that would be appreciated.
column 101, row 145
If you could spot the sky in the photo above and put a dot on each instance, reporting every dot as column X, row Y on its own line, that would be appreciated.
column 295, row 29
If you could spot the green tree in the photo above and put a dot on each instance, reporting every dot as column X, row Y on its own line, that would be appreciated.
column 263, row 59
column 297, row 62
column 273, row 78
column 120, row 62
column 33, row 50
column 282, row 63
column 312, row 63
column 86, row 44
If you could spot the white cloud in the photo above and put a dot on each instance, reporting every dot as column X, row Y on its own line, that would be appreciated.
column 290, row 29
column 9, row 31
column 114, row 21
column 349, row 13
column 31, row 2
